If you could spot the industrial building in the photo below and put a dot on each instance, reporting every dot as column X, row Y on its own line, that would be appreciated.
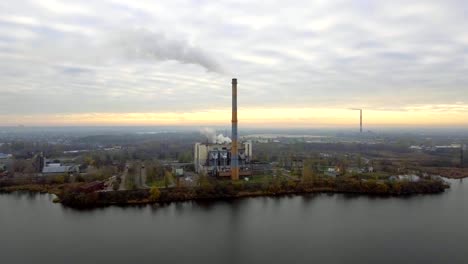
column 225, row 158
column 58, row 168
column 215, row 159
column 48, row 167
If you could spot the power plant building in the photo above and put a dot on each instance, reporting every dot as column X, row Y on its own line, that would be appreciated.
column 225, row 159
column 215, row 159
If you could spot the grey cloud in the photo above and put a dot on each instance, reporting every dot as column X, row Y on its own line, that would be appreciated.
column 127, row 45
column 384, row 54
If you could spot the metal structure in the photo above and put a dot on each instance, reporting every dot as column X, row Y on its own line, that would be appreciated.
column 360, row 118
column 234, row 147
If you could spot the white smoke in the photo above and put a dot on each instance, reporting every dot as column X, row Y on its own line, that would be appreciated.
column 221, row 139
column 209, row 133
column 147, row 45
column 128, row 45
column 211, row 136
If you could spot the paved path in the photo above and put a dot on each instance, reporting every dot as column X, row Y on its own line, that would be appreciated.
column 124, row 175
column 143, row 176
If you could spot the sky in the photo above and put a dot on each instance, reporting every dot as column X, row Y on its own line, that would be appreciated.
column 298, row 63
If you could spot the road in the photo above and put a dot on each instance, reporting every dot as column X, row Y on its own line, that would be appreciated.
column 143, row 176
column 123, row 177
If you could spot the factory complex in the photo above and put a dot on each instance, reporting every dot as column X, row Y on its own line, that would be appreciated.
column 225, row 158
column 215, row 159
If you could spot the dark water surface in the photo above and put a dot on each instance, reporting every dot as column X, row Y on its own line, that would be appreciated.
column 300, row 229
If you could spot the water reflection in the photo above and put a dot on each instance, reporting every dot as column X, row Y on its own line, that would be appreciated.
column 321, row 228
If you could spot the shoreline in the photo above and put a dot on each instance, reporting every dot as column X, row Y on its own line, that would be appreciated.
column 70, row 197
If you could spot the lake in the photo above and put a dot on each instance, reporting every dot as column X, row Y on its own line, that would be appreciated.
column 321, row 228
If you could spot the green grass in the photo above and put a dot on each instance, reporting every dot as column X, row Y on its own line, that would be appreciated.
column 259, row 179
column 158, row 183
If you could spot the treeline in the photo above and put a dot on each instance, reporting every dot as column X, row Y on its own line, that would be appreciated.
column 178, row 146
column 175, row 146
column 275, row 151
column 208, row 188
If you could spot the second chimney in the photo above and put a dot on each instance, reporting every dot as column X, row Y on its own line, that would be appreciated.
column 234, row 147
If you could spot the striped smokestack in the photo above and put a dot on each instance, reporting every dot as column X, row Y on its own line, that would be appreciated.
column 234, row 150
column 360, row 119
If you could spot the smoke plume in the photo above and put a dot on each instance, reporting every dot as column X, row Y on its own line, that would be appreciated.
column 211, row 136
column 146, row 45
column 127, row 45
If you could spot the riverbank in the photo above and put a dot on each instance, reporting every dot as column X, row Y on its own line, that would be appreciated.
column 57, row 189
column 230, row 190
column 72, row 195
column 39, row 188
column 447, row 172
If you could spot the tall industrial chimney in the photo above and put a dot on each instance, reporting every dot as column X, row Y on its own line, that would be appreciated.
column 234, row 150
column 360, row 123
column 360, row 118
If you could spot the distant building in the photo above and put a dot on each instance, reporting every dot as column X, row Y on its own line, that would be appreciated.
column 38, row 162
column 410, row 177
column 178, row 171
column 5, row 164
column 5, row 156
column 47, row 167
column 260, row 168
column 330, row 171
column 215, row 159
column 417, row 148
column 354, row 170
column 57, row 168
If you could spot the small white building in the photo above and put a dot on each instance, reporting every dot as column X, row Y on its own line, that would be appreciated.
column 331, row 172
column 406, row 177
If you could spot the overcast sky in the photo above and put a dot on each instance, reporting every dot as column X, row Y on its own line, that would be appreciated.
column 114, row 61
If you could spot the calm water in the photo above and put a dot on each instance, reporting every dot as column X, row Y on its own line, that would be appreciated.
column 319, row 229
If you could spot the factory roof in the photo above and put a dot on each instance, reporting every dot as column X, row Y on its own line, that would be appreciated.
column 57, row 169
column 5, row 156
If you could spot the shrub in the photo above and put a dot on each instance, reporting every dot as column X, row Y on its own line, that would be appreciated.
column 155, row 194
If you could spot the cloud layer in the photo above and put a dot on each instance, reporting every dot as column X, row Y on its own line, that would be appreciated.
column 120, row 56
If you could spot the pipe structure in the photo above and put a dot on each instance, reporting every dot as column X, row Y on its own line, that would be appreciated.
column 234, row 146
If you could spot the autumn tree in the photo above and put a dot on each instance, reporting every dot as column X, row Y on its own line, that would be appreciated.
column 155, row 193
